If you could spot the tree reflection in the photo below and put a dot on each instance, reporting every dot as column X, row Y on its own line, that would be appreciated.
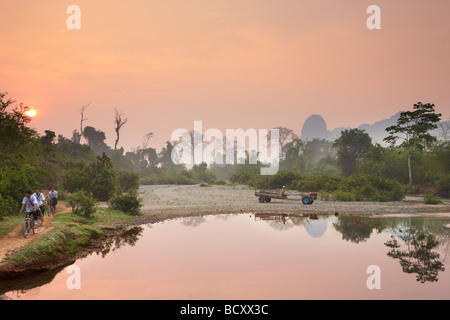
column 353, row 229
column 129, row 237
column 193, row 221
column 418, row 257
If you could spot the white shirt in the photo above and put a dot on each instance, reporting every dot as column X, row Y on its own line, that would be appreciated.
column 53, row 194
column 29, row 203
column 39, row 198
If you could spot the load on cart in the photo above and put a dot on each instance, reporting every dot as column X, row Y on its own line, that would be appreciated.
column 266, row 195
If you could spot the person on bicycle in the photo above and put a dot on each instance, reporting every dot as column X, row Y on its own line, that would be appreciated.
column 40, row 198
column 30, row 204
column 53, row 196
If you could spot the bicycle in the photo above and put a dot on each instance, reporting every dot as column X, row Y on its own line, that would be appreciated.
column 51, row 202
column 30, row 225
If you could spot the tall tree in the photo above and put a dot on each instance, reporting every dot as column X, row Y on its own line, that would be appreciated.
column 76, row 136
column 350, row 147
column 284, row 136
column 413, row 129
column 119, row 122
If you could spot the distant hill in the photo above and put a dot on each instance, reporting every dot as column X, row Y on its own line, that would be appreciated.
column 315, row 127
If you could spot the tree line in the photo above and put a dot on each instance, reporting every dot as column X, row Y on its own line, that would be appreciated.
column 350, row 168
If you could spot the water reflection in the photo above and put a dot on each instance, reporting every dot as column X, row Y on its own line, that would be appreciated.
column 25, row 284
column 415, row 242
column 226, row 256
column 416, row 254
column 128, row 237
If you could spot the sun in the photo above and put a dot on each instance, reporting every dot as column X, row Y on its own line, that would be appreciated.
column 31, row 113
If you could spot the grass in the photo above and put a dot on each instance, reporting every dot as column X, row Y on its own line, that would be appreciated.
column 9, row 222
column 71, row 232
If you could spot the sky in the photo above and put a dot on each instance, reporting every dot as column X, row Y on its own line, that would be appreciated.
column 229, row 63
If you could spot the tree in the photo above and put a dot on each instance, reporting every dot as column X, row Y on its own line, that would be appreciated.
column 296, row 156
column 76, row 136
column 351, row 146
column 49, row 137
column 103, row 178
column 284, row 134
column 413, row 129
column 119, row 122
column 96, row 139
column 16, row 138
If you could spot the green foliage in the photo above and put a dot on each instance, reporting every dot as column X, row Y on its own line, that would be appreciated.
column 431, row 199
column 243, row 176
column 351, row 146
column 412, row 129
column 128, row 180
column 368, row 188
column 99, row 178
column 317, row 183
column 201, row 173
column 128, row 202
column 82, row 202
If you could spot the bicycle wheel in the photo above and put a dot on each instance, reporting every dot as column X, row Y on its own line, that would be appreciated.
column 34, row 225
column 27, row 231
column 40, row 220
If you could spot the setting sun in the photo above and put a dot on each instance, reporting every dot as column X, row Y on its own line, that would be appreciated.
column 31, row 113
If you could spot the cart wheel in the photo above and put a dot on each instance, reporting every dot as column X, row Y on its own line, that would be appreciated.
column 268, row 199
column 306, row 200
column 261, row 199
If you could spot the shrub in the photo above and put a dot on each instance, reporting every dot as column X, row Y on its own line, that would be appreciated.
column 431, row 199
column 128, row 180
column 368, row 188
column 243, row 176
column 317, row 183
column 7, row 206
column 127, row 202
column 82, row 202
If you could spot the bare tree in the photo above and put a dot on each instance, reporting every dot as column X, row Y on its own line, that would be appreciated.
column 284, row 135
column 119, row 122
column 146, row 139
column 76, row 137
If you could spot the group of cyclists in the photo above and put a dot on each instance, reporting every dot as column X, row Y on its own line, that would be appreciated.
column 35, row 203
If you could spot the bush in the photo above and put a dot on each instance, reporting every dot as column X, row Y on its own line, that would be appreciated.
column 7, row 206
column 99, row 178
column 431, row 199
column 243, row 176
column 82, row 202
column 128, row 180
column 127, row 202
column 368, row 188
column 317, row 183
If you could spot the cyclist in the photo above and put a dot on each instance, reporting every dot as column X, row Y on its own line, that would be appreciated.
column 31, row 205
column 40, row 198
column 53, row 196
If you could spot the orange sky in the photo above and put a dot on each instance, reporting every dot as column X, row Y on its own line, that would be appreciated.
column 230, row 63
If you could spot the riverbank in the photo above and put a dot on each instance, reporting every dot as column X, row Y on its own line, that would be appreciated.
column 60, row 241
column 196, row 200
column 70, row 236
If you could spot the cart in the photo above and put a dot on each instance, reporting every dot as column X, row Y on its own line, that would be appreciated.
column 266, row 195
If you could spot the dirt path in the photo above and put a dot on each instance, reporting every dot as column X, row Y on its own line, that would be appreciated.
column 15, row 240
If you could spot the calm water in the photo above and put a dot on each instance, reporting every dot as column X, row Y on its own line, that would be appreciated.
column 260, row 257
